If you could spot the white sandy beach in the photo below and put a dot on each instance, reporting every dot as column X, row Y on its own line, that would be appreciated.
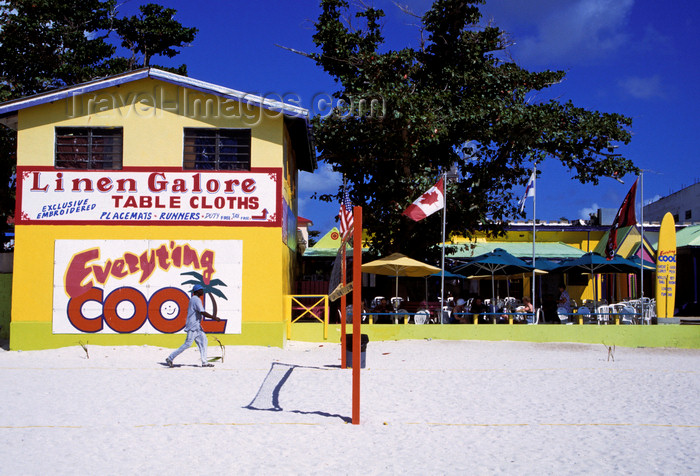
column 428, row 407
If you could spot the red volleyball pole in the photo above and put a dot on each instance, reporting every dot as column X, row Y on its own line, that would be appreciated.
column 356, row 312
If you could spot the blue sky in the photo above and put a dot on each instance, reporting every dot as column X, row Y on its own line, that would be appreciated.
column 634, row 57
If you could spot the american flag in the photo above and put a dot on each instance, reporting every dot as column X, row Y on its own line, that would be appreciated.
column 345, row 214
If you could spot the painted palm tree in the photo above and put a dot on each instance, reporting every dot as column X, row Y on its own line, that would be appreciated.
column 212, row 290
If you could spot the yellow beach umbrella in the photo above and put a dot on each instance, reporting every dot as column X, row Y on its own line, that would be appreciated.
column 397, row 265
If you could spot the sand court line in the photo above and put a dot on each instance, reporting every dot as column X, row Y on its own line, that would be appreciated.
column 369, row 369
column 465, row 424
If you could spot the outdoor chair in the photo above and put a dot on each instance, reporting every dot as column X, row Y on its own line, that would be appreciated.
column 584, row 313
column 421, row 317
column 400, row 316
column 539, row 316
column 603, row 314
column 376, row 301
column 445, row 315
column 563, row 315
column 650, row 311
column 628, row 315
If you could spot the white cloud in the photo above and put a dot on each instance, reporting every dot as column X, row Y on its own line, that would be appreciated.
column 323, row 180
column 655, row 198
column 572, row 30
column 585, row 213
column 642, row 88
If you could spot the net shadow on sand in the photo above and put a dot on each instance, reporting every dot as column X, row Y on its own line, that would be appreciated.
column 268, row 396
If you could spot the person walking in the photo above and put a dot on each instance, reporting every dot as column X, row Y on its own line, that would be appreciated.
column 193, row 327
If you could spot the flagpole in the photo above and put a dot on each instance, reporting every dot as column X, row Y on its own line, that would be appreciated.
column 444, row 221
column 534, row 238
column 641, row 246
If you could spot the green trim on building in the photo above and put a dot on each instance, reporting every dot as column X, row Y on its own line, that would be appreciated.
column 5, row 305
column 520, row 249
column 686, row 337
column 38, row 335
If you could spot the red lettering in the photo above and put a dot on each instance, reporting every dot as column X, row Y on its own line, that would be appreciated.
column 130, row 202
column 131, row 323
column 162, row 254
column 230, row 184
column 59, row 182
column 132, row 261
column 147, row 265
column 102, row 273
column 118, row 270
column 179, row 185
column 174, row 202
column 213, row 185
column 248, row 203
column 85, row 181
column 78, row 271
column 167, row 310
column 121, row 185
column 205, row 204
column 197, row 187
column 155, row 185
column 104, row 184
column 75, row 313
column 207, row 261
column 248, row 185
column 189, row 257
column 176, row 254
column 35, row 183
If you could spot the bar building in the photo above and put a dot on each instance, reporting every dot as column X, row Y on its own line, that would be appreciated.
column 135, row 187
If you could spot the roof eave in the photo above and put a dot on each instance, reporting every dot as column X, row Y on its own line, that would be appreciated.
column 288, row 110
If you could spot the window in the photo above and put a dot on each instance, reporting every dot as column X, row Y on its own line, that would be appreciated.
column 217, row 149
column 88, row 148
column 688, row 214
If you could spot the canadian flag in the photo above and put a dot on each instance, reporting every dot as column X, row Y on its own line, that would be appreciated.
column 428, row 203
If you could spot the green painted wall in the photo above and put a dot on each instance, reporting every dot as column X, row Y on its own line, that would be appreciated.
column 5, row 304
column 622, row 336
column 38, row 335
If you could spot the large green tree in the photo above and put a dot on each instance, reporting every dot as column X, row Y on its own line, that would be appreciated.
column 153, row 32
column 457, row 102
column 46, row 44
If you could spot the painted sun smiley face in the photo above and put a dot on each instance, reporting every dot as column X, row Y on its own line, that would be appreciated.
column 169, row 309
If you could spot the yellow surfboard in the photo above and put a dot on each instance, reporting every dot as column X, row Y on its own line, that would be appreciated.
column 666, row 269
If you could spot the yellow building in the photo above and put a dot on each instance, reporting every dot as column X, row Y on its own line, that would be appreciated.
column 132, row 188
column 554, row 241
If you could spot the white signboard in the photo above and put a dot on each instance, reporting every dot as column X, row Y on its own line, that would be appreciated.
column 162, row 197
column 142, row 286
